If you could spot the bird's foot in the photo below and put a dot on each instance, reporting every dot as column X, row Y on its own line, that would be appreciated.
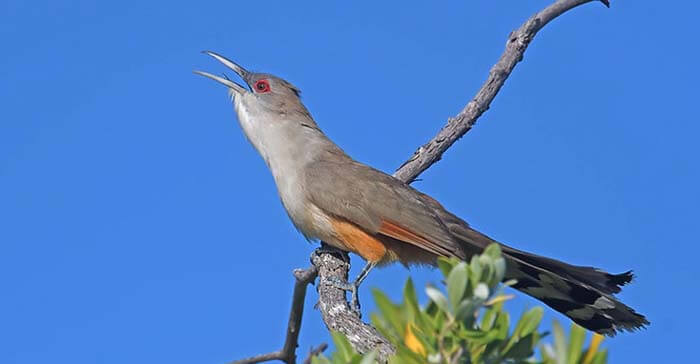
column 349, row 287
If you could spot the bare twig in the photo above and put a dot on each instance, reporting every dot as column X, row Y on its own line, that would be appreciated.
column 315, row 351
column 333, row 305
column 459, row 125
column 288, row 352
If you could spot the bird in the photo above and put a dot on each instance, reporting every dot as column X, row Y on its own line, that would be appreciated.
column 332, row 198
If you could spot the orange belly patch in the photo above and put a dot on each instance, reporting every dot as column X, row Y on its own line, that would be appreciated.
column 359, row 241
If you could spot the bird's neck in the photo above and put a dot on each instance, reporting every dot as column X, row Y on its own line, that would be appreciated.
column 288, row 146
column 287, row 143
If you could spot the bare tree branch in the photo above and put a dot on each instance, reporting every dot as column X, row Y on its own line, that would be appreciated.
column 316, row 351
column 334, row 265
column 331, row 264
column 288, row 352
column 460, row 124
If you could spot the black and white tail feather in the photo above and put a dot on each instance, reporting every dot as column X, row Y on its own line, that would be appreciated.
column 584, row 294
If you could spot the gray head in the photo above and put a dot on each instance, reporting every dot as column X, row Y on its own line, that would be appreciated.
column 265, row 93
column 273, row 119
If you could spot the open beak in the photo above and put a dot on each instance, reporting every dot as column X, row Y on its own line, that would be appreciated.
column 230, row 64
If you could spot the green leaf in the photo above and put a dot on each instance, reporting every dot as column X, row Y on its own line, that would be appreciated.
column 559, row 343
column 389, row 311
column 489, row 318
column 320, row 359
column 502, row 325
column 531, row 320
column 406, row 356
column 440, row 316
column 383, row 326
column 467, row 310
column 369, row 358
column 486, row 268
column 576, row 339
column 470, row 334
column 344, row 349
column 437, row 297
column 445, row 266
column 510, row 282
column 355, row 360
column 601, row 357
column 476, row 270
column 457, row 284
column 523, row 349
column 493, row 251
column 526, row 325
column 500, row 270
column 409, row 296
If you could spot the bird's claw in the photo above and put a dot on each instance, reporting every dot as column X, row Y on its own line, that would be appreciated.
column 353, row 289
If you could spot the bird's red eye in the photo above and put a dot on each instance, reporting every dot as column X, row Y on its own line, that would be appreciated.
column 262, row 86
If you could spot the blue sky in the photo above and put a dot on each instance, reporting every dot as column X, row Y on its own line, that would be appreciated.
column 139, row 226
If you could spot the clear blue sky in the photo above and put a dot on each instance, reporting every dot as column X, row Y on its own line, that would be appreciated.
column 137, row 225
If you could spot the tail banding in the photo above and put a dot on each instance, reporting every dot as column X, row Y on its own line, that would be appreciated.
column 584, row 294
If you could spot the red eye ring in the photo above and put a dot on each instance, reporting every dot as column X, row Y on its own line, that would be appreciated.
column 262, row 86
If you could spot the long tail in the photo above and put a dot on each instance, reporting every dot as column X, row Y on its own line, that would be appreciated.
column 584, row 294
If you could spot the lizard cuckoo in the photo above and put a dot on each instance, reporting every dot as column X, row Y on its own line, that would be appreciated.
column 333, row 198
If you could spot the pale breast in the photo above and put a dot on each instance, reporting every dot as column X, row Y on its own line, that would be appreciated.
column 287, row 147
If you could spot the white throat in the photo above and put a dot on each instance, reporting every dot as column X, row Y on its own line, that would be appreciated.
column 287, row 147
column 284, row 145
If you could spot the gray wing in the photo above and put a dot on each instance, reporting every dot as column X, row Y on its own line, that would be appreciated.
column 378, row 203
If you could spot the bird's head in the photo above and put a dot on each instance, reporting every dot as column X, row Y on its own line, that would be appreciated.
column 272, row 116
column 266, row 94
